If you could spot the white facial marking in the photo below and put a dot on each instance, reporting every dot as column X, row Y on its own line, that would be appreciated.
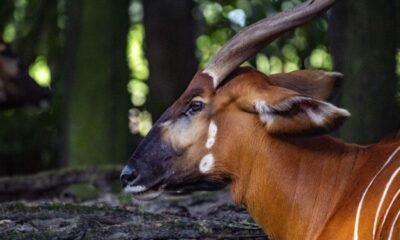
column 212, row 134
column 134, row 189
column 360, row 204
column 388, row 184
column 263, row 110
column 206, row 163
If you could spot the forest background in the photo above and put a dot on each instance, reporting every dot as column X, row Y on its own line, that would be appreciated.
column 104, row 59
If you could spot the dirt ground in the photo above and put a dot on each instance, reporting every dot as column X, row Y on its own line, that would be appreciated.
column 204, row 215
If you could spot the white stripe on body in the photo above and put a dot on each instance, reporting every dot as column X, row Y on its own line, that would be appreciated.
column 360, row 204
column 389, row 207
column 382, row 200
column 392, row 227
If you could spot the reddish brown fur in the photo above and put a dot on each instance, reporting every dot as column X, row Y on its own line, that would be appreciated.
column 296, row 182
column 317, row 84
column 295, row 188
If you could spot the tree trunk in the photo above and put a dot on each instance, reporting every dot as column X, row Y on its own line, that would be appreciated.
column 363, row 45
column 170, row 50
column 97, row 75
column 397, row 2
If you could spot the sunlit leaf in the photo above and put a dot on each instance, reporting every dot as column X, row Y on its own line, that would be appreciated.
column 40, row 71
column 300, row 39
column 262, row 63
column 220, row 36
column 290, row 66
column 290, row 52
column 276, row 65
column 212, row 12
column 139, row 91
column 138, row 65
column 145, row 123
column 139, row 121
column 9, row 33
column 321, row 59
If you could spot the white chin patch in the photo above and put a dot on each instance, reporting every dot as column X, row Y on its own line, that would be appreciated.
column 134, row 189
column 148, row 195
column 212, row 134
column 206, row 163
column 142, row 193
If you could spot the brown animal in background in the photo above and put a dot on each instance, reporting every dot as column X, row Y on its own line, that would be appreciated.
column 266, row 137
column 17, row 88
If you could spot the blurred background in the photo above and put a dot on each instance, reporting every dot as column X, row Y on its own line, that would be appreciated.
column 70, row 71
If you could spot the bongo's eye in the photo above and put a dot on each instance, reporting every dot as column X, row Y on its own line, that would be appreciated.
column 194, row 107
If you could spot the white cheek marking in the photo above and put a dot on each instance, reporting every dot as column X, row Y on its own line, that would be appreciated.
column 360, row 204
column 179, row 133
column 212, row 134
column 134, row 189
column 206, row 163
column 383, row 198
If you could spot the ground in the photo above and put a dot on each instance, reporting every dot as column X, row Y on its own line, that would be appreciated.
column 115, row 216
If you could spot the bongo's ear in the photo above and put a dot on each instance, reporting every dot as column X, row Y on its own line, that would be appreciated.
column 313, row 83
column 285, row 112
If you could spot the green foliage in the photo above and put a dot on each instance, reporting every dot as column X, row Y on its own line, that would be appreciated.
column 138, row 65
column 398, row 73
column 303, row 47
column 139, row 68
column 40, row 71
column 37, row 31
